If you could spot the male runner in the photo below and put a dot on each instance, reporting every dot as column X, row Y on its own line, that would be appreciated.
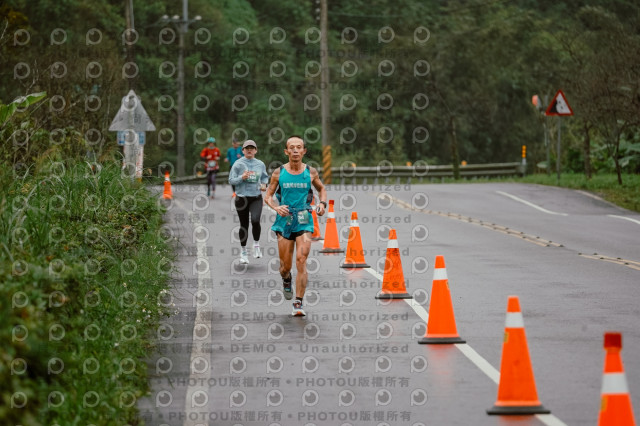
column 294, row 223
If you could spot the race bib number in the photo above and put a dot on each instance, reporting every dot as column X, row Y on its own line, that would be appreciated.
column 303, row 217
column 253, row 177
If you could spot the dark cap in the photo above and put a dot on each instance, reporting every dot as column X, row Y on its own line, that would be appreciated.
column 249, row 143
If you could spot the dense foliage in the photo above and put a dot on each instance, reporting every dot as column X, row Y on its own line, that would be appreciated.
column 434, row 81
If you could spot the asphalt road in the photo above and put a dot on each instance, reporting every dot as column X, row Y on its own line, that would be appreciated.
column 233, row 355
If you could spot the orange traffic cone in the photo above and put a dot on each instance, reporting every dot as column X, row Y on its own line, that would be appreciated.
column 441, row 326
column 167, row 195
column 316, row 226
column 393, row 286
column 355, row 253
column 331, row 242
column 615, row 407
column 517, row 388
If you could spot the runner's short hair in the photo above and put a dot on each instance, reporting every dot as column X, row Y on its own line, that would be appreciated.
column 304, row 144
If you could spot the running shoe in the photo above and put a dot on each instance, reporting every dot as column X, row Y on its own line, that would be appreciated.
column 297, row 309
column 257, row 253
column 244, row 257
column 286, row 287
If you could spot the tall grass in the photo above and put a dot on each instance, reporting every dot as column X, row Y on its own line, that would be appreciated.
column 84, row 267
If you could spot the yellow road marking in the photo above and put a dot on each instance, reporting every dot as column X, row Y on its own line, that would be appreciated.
column 514, row 233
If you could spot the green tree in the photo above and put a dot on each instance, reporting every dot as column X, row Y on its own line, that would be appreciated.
column 605, row 78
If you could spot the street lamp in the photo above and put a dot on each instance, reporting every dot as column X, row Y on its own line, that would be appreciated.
column 182, row 25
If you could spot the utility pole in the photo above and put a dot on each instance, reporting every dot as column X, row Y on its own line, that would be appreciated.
column 182, row 25
column 131, row 133
column 182, row 29
column 325, row 95
column 128, row 13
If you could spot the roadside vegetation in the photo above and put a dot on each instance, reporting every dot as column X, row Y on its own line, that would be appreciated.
column 84, row 266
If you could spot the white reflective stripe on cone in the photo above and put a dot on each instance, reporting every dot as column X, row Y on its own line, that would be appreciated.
column 354, row 224
column 613, row 383
column 440, row 274
column 331, row 215
column 514, row 320
column 393, row 244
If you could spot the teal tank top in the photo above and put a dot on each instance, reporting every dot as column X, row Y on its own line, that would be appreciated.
column 295, row 192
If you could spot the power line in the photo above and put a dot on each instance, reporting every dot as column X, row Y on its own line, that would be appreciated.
column 353, row 15
column 473, row 6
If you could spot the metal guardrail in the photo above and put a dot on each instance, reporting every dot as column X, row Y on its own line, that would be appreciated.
column 408, row 174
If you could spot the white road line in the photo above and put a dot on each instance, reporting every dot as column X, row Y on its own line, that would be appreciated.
column 374, row 273
column 520, row 200
column 590, row 195
column 198, row 381
column 472, row 355
column 480, row 362
column 623, row 217
column 550, row 420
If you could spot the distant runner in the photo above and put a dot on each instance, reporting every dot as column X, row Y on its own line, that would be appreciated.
column 233, row 154
column 211, row 157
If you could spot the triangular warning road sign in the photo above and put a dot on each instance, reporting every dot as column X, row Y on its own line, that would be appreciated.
column 559, row 105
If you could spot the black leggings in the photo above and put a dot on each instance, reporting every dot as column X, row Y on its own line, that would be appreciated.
column 246, row 206
column 211, row 182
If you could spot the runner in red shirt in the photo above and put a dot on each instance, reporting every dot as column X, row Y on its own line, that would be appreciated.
column 211, row 157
